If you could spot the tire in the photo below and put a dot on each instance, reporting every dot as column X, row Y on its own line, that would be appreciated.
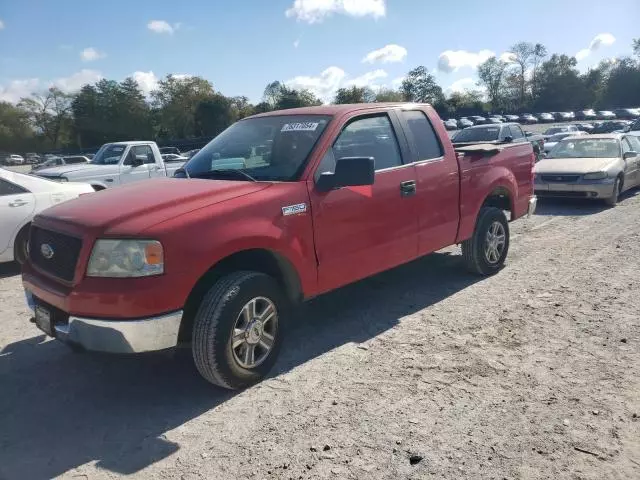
column 220, row 314
column 20, row 246
column 474, row 250
column 612, row 201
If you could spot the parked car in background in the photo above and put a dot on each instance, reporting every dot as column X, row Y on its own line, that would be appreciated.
column 115, row 164
column 172, row 157
column 606, row 115
column 32, row 158
column 498, row 117
column 511, row 118
column 217, row 257
column 14, row 159
column 527, row 118
column 584, row 127
column 22, row 197
column 612, row 126
column 493, row 120
column 590, row 166
column 496, row 134
column 173, row 150
column 478, row 120
column 634, row 128
column 58, row 161
column 588, row 114
column 560, row 129
column 552, row 141
column 545, row 118
column 626, row 113
column 465, row 123
column 191, row 153
column 451, row 124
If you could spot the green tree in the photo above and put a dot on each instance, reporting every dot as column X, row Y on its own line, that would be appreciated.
column 522, row 55
column 539, row 54
column 176, row 100
column 561, row 86
column 491, row 76
column 389, row 95
column 16, row 134
column 354, row 95
column 272, row 93
column 50, row 114
column 623, row 85
column 292, row 98
column 213, row 115
column 420, row 86
column 636, row 47
column 241, row 107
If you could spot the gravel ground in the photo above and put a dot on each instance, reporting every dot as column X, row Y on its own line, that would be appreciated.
column 421, row 372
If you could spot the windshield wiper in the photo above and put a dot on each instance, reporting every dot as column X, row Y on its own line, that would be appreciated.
column 224, row 172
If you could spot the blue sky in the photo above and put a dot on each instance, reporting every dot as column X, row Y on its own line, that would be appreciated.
column 242, row 45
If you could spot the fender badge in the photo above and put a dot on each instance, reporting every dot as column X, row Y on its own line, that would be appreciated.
column 294, row 209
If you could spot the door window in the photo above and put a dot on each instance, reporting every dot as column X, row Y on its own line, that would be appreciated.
column 424, row 136
column 8, row 188
column 626, row 147
column 635, row 143
column 516, row 132
column 364, row 137
column 143, row 151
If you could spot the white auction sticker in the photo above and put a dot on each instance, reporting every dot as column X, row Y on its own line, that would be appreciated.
column 300, row 127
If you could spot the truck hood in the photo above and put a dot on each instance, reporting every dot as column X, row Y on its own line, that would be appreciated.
column 132, row 208
column 574, row 165
column 84, row 169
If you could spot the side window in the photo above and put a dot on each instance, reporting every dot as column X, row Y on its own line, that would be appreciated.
column 144, row 151
column 626, row 146
column 424, row 136
column 516, row 132
column 635, row 143
column 8, row 188
column 364, row 137
column 504, row 132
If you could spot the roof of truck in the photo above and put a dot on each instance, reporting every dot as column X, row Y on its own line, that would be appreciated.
column 336, row 109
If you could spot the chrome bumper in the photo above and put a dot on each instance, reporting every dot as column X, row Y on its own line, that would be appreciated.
column 122, row 336
column 600, row 189
column 533, row 203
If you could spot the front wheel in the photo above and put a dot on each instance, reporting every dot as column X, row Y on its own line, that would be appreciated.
column 485, row 252
column 21, row 245
column 612, row 201
column 238, row 330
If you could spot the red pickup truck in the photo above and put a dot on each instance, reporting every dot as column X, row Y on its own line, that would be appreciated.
column 278, row 208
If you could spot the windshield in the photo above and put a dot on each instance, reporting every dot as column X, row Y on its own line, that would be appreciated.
column 488, row 134
column 586, row 148
column 273, row 148
column 109, row 154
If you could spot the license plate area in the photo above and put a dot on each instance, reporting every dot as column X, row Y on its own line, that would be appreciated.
column 43, row 319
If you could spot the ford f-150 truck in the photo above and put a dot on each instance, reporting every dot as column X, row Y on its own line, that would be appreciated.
column 278, row 208
column 115, row 164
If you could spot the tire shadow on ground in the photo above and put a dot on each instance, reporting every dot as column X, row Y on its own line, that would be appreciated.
column 550, row 206
column 10, row 269
column 61, row 410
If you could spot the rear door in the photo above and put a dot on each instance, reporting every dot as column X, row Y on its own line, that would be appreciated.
column 632, row 172
column 360, row 231
column 437, row 182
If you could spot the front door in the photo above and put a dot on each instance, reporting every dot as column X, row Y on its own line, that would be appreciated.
column 360, row 231
column 632, row 164
column 16, row 206
column 130, row 173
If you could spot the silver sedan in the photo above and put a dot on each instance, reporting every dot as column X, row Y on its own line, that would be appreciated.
column 593, row 166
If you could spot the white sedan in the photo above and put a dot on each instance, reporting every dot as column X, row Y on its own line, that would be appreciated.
column 22, row 197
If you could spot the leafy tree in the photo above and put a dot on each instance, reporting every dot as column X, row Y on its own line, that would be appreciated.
column 50, row 114
column 623, row 85
column 213, row 115
column 16, row 133
column 561, row 87
column 241, row 107
column 389, row 95
column 491, row 76
column 354, row 95
column 272, row 93
column 292, row 98
column 539, row 54
column 420, row 86
column 636, row 47
column 522, row 54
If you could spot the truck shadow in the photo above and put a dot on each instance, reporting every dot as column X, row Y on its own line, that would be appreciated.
column 575, row 206
column 9, row 269
column 61, row 410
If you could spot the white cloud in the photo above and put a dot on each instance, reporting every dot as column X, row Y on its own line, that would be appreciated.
column 296, row 43
column 74, row 82
column 452, row 60
column 396, row 82
column 147, row 81
column 1, row 24
column 17, row 89
column 600, row 40
column 314, row 11
column 508, row 57
column 461, row 85
column 330, row 80
column 161, row 26
column 387, row 54
column 90, row 54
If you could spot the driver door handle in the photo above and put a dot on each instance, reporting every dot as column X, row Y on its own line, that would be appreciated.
column 18, row 203
column 408, row 188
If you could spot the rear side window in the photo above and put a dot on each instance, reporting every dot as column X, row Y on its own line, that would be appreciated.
column 8, row 188
column 635, row 143
column 516, row 132
column 424, row 136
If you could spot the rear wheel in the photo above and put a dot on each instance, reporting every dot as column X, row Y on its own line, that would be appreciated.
column 237, row 333
column 21, row 245
column 612, row 201
column 485, row 252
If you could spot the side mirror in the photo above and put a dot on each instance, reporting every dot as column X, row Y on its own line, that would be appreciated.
column 349, row 172
column 508, row 139
column 628, row 155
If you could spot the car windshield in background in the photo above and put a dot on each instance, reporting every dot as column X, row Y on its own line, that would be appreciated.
column 488, row 134
column 273, row 148
column 586, row 148
column 109, row 155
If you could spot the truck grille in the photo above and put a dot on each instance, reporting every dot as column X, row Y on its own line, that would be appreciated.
column 62, row 252
column 560, row 178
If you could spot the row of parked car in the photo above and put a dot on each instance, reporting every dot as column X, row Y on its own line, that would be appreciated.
column 550, row 117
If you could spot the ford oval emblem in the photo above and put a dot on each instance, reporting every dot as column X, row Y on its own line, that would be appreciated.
column 46, row 250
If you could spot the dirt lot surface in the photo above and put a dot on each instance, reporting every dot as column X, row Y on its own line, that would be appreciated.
column 421, row 372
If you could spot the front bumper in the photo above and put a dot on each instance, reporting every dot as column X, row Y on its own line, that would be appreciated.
column 600, row 189
column 115, row 336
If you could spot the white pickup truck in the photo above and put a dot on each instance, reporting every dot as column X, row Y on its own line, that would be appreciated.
column 115, row 164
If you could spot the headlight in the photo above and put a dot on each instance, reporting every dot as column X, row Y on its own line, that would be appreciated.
column 126, row 258
column 595, row 176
